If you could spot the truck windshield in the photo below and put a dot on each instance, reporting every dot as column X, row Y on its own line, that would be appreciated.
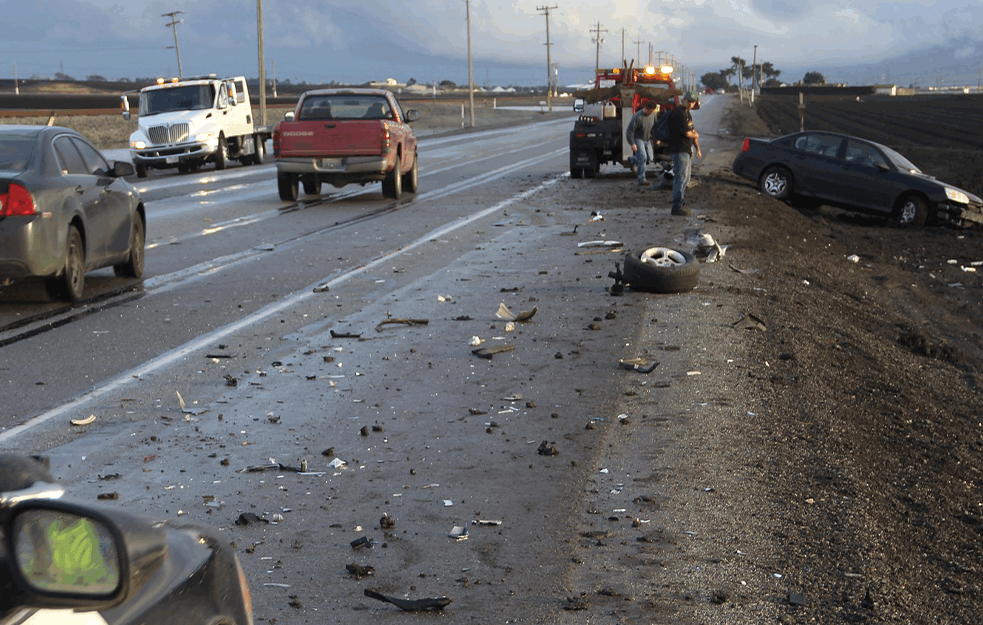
column 344, row 107
column 185, row 98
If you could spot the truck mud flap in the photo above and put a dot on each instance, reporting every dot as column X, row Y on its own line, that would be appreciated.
column 583, row 163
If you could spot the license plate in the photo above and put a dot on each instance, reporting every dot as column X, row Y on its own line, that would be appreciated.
column 171, row 160
column 330, row 163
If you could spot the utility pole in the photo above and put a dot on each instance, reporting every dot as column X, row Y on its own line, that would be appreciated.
column 17, row 84
column 173, row 25
column 274, row 77
column 624, row 61
column 638, row 51
column 467, row 4
column 597, row 40
column 262, row 63
column 545, row 10
column 754, row 72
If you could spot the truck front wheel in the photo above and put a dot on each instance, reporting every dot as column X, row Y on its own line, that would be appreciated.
column 222, row 155
column 141, row 170
column 286, row 184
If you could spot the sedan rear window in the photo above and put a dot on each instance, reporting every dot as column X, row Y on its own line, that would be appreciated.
column 16, row 153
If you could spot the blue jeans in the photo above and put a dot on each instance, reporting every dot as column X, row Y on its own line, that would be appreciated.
column 682, row 163
column 640, row 157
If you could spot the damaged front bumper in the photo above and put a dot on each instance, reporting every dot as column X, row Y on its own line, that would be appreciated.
column 962, row 214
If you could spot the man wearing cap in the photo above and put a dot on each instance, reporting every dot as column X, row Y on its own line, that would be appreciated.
column 682, row 139
column 638, row 134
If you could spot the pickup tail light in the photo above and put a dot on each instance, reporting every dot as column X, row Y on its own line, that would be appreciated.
column 17, row 201
column 385, row 136
column 747, row 145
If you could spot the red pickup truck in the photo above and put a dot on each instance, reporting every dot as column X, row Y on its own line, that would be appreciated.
column 341, row 136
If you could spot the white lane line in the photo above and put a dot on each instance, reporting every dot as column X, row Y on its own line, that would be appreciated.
column 264, row 313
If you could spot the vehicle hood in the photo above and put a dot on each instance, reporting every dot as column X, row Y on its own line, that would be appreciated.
column 194, row 118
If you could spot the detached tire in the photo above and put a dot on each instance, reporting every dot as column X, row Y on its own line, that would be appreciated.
column 665, row 270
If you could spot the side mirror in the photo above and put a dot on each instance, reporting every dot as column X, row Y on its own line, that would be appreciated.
column 289, row 117
column 122, row 169
column 125, row 105
column 412, row 115
column 66, row 556
column 231, row 87
column 578, row 105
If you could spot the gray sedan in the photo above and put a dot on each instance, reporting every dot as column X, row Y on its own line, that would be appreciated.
column 64, row 210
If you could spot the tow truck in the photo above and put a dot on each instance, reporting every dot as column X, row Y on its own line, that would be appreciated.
column 598, row 135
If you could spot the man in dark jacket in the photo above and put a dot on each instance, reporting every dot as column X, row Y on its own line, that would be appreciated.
column 683, row 138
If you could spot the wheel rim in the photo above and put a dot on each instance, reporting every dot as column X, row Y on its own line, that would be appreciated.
column 663, row 257
column 775, row 183
column 908, row 211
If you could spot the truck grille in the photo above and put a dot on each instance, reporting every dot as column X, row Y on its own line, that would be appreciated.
column 174, row 133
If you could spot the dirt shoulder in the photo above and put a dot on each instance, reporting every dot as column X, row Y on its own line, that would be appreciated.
column 823, row 469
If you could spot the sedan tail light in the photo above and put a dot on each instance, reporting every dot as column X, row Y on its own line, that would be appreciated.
column 747, row 145
column 17, row 201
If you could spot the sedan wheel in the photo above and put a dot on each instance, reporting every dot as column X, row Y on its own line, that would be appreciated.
column 133, row 267
column 777, row 182
column 913, row 211
column 70, row 285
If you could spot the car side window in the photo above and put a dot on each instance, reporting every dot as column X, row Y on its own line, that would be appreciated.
column 68, row 155
column 95, row 164
column 824, row 145
column 863, row 154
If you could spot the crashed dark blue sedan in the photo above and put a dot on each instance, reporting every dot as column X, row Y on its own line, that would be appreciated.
column 813, row 168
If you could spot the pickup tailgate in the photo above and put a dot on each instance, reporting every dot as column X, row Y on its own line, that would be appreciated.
column 328, row 138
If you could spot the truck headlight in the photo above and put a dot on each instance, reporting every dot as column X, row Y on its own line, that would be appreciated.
column 956, row 195
column 138, row 145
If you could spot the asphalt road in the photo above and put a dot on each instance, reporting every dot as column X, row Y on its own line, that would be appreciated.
column 282, row 327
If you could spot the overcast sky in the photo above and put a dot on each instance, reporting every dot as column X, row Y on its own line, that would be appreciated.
column 323, row 40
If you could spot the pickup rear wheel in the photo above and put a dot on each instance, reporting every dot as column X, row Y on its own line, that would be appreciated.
column 222, row 154
column 392, row 186
column 286, row 184
column 412, row 181
column 312, row 186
